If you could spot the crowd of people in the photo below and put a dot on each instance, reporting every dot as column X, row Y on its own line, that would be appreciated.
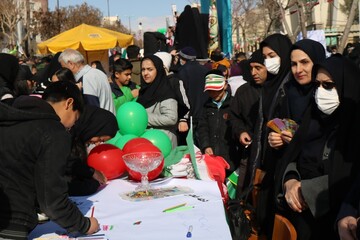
column 52, row 117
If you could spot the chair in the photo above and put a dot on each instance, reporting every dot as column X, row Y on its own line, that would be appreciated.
column 283, row 229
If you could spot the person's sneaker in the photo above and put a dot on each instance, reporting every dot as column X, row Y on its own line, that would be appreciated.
column 42, row 217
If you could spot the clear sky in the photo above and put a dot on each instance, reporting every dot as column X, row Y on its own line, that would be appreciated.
column 151, row 13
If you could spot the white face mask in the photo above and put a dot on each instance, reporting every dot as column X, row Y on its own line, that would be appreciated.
column 327, row 100
column 90, row 147
column 272, row 65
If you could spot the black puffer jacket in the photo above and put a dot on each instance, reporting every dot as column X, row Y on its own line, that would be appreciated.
column 215, row 131
column 34, row 147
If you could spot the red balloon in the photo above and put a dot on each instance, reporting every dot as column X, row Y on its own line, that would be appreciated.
column 107, row 158
column 131, row 144
column 145, row 147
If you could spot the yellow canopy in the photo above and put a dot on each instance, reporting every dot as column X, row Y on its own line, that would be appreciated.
column 92, row 42
column 86, row 37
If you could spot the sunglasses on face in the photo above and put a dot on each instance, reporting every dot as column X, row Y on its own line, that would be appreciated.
column 325, row 85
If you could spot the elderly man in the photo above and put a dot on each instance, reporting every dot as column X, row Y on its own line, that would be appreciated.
column 95, row 86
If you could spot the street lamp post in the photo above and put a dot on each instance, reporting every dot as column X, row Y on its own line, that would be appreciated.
column 129, row 17
column 141, row 35
column 108, row 8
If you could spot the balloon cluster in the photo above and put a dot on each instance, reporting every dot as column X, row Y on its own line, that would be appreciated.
column 132, row 120
column 132, row 137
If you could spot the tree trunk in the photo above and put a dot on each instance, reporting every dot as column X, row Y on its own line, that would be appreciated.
column 302, row 20
column 244, row 39
column 286, row 25
column 349, row 22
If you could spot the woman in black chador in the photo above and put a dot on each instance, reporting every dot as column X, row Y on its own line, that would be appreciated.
column 320, row 162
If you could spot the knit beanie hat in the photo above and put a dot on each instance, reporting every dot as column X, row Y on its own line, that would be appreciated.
column 187, row 53
column 257, row 57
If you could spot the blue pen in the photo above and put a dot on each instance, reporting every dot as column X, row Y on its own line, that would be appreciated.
column 188, row 235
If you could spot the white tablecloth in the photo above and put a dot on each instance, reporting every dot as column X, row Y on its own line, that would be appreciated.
column 207, row 217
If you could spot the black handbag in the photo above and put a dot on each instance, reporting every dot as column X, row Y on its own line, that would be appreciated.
column 241, row 215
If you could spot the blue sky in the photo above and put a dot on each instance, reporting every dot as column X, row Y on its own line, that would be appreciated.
column 151, row 13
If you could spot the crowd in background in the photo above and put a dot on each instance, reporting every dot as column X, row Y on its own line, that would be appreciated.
column 308, row 173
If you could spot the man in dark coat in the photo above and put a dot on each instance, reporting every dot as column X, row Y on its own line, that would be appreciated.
column 34, row 150
column 193, row 75
column 245, row 109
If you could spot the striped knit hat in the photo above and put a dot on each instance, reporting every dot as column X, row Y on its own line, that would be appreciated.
column 214, row 82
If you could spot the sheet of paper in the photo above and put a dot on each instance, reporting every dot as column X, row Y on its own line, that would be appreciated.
column 146, row 220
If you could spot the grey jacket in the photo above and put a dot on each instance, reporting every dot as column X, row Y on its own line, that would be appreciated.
column 163, row 115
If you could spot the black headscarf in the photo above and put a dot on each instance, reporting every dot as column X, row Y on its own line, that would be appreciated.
column 281, row 45
column 9, row 67
column 343, row 167
column 157, row 91
column 354, row 56
column 299, row 96
column 95, row 122
column 191, row 30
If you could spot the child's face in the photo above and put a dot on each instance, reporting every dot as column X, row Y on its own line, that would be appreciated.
column 217, row 95
column 124, row 77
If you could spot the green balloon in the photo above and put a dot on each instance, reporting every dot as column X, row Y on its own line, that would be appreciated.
column 114, row 139
column 124, row 139
column 132, row 118
column 160, row 140
column 162, row 30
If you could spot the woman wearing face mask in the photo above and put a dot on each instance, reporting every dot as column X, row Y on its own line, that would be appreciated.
column 320, row 162
column 276, row 52
column 296, row 96
column 299, row 90
column 94, row 127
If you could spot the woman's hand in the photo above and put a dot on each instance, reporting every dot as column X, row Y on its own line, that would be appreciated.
column 100, row 177
column 286, row 136
column 275, row 140
column 347, row 228
column 293, row 195
column 183, row 126
column 209, row 151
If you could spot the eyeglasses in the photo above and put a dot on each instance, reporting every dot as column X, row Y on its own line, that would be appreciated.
column 325, row 85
